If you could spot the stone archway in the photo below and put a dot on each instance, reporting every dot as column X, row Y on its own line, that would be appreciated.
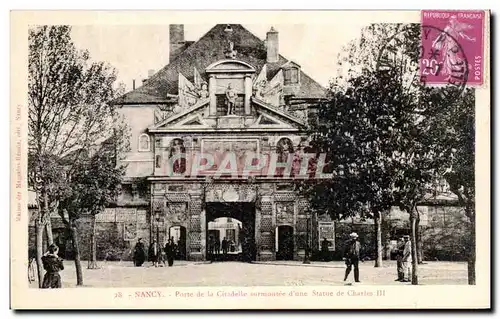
column 241, row 211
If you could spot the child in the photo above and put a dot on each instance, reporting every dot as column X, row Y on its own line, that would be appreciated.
column 52, row 265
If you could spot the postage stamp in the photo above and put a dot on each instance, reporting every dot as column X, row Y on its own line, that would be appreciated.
column 452, row 47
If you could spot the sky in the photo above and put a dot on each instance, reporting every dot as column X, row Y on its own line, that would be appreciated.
column 133, row 50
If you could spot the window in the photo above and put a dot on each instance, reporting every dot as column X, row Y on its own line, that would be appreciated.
column 291, row 76
column 284, row 149
column 177, row 148
column 144, row 143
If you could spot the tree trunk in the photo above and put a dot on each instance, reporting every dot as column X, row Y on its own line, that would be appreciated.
column 378, row 232
column 471, row 260
column 93, row 246
column 39, row 227
column 418, row 239
column 414, row 261
column 47, row 214
column 48, row 231
column 78, row 265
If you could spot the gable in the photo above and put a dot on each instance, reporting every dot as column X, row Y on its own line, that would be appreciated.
column 265, row 118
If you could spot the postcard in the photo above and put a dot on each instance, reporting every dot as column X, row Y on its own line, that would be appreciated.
column 250, row 159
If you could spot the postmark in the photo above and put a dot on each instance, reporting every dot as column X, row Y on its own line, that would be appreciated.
column 404, row 53
column 452, row 47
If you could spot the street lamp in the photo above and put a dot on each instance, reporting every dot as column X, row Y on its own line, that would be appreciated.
column 157, row 218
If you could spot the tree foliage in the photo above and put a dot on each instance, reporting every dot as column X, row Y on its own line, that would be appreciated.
column 68, row 115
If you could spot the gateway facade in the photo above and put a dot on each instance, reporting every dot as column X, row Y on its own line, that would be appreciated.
column 229, row 92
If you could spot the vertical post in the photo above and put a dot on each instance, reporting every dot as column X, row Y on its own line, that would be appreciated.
column 248, row 93
column 306, row 254
column 211, row 92
column 158, row 231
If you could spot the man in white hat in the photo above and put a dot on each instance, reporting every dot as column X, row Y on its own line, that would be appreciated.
column 351, row 256
column 407, row 259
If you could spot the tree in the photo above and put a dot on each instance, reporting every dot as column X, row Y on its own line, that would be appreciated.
column 103, row 179
column 68, row 111
column 455, row 134
column 358, row 131
column 93, row 185
column 362, row 64
column 383, row 67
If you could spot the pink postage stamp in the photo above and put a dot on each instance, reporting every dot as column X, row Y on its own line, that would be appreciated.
column 452, row 47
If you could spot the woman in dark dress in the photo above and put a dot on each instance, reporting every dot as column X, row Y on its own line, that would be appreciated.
column 139, row 253
column 52, row 264
column 154, row 253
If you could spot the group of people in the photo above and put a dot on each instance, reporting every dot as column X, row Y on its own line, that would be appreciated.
column 156, row 254
column 215, row 246
column 404, row 259
column 352, row 249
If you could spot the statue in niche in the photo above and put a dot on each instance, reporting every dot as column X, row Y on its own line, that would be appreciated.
column 230, row 53
column 230, row 99
column 284, row 149
column 203, row 93
column 177, row 147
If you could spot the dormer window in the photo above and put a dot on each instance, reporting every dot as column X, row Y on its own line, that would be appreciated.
column 144, row 143
column 291, row 73
column 291, row 76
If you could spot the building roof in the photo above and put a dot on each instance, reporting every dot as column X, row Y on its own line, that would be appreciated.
column 208, row 49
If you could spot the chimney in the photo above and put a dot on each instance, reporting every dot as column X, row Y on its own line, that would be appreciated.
column 151, row 72
column 272, row 45
column 133, row 84
column 177, row 41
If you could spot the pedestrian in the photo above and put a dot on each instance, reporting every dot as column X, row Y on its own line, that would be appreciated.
column 175, row 248
column 52, row 264
column 351, row 256
column 217, row 246
column 324, row 249
column 211, row 247
column 139, row 253
column 399, row 258
column 154, row 253
column 406, row 259
column 225, row 244
column 170, row 252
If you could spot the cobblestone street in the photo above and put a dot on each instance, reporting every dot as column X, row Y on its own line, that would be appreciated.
column 123, row 274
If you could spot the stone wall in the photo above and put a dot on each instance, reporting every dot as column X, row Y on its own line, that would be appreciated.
column 443, row 230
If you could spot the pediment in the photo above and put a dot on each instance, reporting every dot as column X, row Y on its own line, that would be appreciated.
column 189, row 117
column 230, row 66
column 265, row 118
column 269, row 121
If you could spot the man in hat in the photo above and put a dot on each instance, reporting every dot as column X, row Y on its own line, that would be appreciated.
column 406, row 259
column 351, row 256
column 399, row 258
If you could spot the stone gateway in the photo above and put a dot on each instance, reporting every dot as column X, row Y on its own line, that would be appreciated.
column 243, row 99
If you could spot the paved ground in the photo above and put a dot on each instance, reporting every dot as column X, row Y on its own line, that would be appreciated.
column 123, row 274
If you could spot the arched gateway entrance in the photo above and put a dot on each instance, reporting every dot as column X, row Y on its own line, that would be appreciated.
column 234, row 221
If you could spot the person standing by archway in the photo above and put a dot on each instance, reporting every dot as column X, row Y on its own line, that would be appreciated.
column 170, row 252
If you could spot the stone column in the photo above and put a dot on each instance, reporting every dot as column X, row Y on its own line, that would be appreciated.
column 264, row 225
column 196, row 228
column 248, row 93
column 203, row 234
column 211, row 90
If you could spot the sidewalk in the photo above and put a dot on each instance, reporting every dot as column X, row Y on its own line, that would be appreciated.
column 296, row 263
